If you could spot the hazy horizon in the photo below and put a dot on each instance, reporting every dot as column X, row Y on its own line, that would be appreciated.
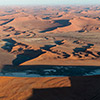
column 47, row 2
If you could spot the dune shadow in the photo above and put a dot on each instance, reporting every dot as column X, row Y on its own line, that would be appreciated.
column 84, row 49
column 17, row 33
column 46, row 18
column 27, row 55
column 62, row 23
column 59, row 42
column 24, row 55
column 82, row 88
column 9, row 29
column 9, row 44
column 47, row 47
column 7, row 22
column 81, row 31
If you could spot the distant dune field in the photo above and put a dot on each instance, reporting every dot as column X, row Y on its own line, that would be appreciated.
column 50, row 36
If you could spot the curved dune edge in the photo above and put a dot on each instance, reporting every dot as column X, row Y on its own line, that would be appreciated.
column 62, row 62
column 21, row 88
column 83, row 24
column 48, row 88
column 78, row 23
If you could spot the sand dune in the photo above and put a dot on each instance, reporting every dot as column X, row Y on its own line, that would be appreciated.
column 81, row 24
column 32, row 23
column 79, row 88
column 53, row 35
column 24, row 20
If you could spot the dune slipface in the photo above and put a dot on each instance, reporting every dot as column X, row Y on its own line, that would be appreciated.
column 50, row 53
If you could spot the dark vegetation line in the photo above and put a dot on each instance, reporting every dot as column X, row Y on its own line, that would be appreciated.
column 50, row 70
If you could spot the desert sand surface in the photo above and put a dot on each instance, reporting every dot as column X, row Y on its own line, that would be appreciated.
column 56, row 35
column 50, row 88
column 36, row 37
